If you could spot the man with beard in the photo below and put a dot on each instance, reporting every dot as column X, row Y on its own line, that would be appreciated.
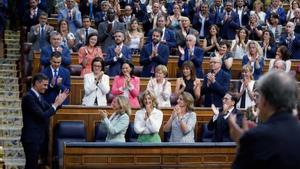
column 117, row 54
column 107, row 29
column 153, row 54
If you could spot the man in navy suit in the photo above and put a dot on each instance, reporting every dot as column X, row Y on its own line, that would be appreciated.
column 31, row 15
column 275, row 143
column 55, row 40
column 36, row 113
column 168, row 36
column 191, row 53
column 59, row 78
column 117, row 54
column 216, row 84
column 72, row 15
column 228, row 22
column 219, row 122
column 291, row 40
column 153, row 54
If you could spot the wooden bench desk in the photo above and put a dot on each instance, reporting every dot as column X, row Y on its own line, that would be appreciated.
column 79, row 155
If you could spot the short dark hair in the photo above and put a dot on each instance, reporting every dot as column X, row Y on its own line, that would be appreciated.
column 233, row 97
column 39, row 77
column 158, row 30
column 98, row 59
column 86, row 17
column 89, row 36
column 131, row 66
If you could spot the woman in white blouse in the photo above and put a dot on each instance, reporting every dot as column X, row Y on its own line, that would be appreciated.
column 96, row 85
column 160, row 86
column 246, row 94
column 239, row 45
column 148, row 120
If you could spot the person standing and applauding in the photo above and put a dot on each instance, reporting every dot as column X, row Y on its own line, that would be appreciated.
column 36, row 114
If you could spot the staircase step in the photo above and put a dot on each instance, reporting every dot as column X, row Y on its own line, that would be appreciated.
column 10, row 94
column 8, row 73
column 10, row 87
column 8, row 67
column 11, row 144
column 13, row 55
column 8, row 60
column 13, row 154
column 10, row 112
column 13, row 51
column 8, row 80
column 10, row 103
column 10, row 133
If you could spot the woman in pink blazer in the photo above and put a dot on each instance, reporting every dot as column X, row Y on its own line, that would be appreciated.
column 127, row 84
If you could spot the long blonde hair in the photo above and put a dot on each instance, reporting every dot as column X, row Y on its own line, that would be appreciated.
column 124, row 104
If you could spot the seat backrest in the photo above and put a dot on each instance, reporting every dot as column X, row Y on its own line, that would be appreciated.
column 206, row 135
column 131, row 135
column 67, row 131
column 100, row 132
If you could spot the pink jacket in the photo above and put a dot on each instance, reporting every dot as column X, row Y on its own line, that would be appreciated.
column 118, row 89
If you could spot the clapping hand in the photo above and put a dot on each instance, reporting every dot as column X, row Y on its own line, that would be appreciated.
column 61, row 97
column 102, row 113
column 215, row 109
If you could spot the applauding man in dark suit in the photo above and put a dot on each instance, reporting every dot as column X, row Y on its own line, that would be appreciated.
column 36, row 113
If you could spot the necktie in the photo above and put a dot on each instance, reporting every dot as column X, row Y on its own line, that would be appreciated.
column 42, row 36
column 91, row 9
column 86, row 34
column 55, row 76
column 70, row 14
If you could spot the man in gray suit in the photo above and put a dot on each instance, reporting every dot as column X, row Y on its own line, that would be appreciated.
column 38, row 36
column 107, row 28
column 83, row 33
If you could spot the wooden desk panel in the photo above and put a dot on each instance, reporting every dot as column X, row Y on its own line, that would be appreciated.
column 172, row 65
column 196, row 155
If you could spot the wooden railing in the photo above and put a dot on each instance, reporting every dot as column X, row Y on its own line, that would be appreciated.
column 90, row 116
column 172, row 65
column 79, row 155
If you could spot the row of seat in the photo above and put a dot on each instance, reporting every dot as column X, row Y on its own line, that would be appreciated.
column 74, row 131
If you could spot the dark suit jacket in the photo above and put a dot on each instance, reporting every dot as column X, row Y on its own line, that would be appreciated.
column 228, row 28
column 180, row 38
column 36, row 116
column 52, row 92
column 197, row 23
column 274, row 144
column 216, row 91
column 169, row 37
column 107, row 38
column 294, row 46
column 115, row 66
column 28, row 22
column 149, row 65
column 196, row 58
column 221, row 128
column 46, row 56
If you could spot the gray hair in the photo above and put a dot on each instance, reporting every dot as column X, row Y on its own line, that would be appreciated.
column 279, row 89
column 193, row 37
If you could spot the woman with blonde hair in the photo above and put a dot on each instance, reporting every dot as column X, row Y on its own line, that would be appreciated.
column 118, row 122
column 246, row 94
column 258, row 10
column 148, row 119
column 183, row 120
column 254, row 58
column 160, row 86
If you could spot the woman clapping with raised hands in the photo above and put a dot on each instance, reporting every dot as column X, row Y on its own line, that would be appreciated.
column 183, row 120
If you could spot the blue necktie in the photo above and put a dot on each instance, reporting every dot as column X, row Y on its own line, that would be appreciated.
column 42, row 36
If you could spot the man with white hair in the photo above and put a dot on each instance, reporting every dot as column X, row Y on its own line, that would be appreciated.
column 291, row 40
column 191, row 53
